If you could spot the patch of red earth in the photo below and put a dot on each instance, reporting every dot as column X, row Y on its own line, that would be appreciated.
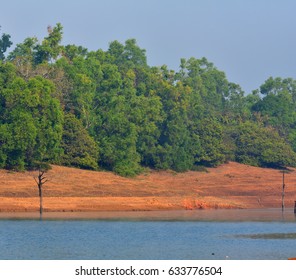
column 230, row 185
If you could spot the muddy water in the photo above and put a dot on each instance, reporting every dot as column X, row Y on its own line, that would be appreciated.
column 213, row 234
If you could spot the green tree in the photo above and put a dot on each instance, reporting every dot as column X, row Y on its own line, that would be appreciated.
column 115, row 131
column 72, row 51
column 50, row 48
column 31, row 121
column 5, row 43
column 176, row 147
column 127, row 56
column 80, row 150
column 136, row 114
column 277, row 103
column 261, row 146
column 212, row 149
column 278, row 108
column 207, row 81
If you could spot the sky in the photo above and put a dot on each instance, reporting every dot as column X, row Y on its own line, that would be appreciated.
column 250, row 40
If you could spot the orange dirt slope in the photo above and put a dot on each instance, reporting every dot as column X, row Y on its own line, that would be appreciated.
column 231, row 185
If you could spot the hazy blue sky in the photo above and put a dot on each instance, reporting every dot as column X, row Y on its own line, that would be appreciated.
column 249, row 40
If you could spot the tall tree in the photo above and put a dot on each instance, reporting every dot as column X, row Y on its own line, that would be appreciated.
column 31, row 120
column 50, row 48
column 5, row 43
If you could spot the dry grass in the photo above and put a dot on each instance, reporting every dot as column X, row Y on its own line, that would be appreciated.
column 231, row 185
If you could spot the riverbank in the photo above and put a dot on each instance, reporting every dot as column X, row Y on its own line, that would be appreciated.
column 229, row 186
column 211, row 215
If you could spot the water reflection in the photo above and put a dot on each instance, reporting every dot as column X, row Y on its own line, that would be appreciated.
column 220, row 215
column 268, row 236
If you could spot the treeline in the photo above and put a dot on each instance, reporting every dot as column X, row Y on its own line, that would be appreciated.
column 111, row 110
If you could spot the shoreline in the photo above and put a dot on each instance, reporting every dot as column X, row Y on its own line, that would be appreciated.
column 148, row 203
column 219, row 215
column 89, row 204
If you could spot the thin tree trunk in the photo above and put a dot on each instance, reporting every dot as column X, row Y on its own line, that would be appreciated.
column 41, row 206
column 283, row 202
column 283, row 192
column 40, row 181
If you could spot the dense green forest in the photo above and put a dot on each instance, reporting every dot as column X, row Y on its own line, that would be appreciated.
column 110, row 110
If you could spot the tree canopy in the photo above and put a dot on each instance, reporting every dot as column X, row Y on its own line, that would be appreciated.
column 5, row 43
column 110, row 110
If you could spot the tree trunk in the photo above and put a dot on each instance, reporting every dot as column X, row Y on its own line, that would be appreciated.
column 41, row 206
column 40, row 181
column 283, row 192
column 283, row 200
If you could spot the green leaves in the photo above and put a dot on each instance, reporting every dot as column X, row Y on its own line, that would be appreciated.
column 109, row 109
column 212, row 150
column 5, row 43
column 31, row 121
column 50, row 48
column 80, row 150
column 261, row 146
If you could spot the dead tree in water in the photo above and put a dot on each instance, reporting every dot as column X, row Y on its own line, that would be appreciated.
column 285, row 171
column 40, row 181
column 283, row 192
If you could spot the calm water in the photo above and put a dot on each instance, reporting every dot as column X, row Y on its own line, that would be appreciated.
column 175, row 237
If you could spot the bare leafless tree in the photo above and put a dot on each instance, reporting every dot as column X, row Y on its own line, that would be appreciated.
column 40, row 181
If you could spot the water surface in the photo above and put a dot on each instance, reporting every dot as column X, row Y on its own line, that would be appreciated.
column 217, row 234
